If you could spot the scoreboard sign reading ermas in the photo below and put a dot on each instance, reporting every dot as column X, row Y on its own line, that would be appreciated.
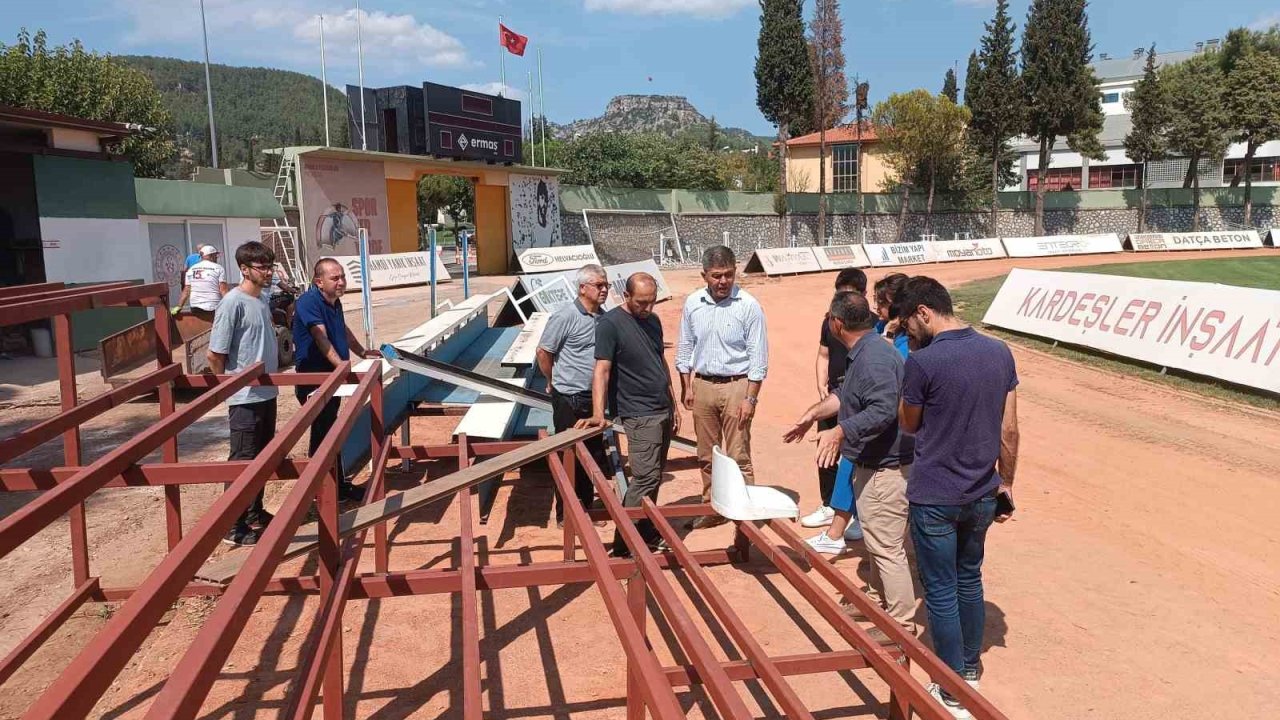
column 471, row 126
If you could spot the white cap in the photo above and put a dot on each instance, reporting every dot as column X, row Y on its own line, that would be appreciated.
column 208, row 250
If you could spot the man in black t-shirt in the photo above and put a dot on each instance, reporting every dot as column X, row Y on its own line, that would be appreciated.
column 829, row 369
column 632, row 375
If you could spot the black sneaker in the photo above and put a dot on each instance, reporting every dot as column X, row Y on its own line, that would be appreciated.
column 241, row 536
column 261, row 520
column 347, row 492
column 972, row 677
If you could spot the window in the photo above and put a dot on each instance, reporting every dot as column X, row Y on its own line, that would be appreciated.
column 1056, row 179
column 844, row 167
column 1264, row 169
column 1115, row 176
column 1111, row 97
column 446, row 140
column 477, row 105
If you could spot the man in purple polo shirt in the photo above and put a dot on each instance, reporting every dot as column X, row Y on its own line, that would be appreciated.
column 959, row 396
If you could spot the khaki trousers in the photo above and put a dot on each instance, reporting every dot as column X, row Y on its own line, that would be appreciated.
column 715, row 422
column 881, row 498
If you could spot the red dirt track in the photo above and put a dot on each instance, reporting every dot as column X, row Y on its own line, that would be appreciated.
column 1138, row 581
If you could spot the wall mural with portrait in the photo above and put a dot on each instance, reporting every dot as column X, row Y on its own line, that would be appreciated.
column 535, row 212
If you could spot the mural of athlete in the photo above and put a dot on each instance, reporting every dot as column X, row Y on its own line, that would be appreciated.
column 336, row 224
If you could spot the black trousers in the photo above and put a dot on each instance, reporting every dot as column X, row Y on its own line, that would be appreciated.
column 252, row 426
column 565, row 411
column 826, row 476
column 321, row 427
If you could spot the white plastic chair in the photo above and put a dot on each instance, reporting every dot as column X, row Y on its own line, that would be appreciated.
column 733, row 498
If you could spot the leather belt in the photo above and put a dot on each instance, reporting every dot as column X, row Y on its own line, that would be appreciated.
column 720, row 379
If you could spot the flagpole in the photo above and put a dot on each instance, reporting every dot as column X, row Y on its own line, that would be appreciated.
column 364, row 134
column 502, row 62
column 208, row 90
column 533, row 147
column 542, row 108
column 324, row 85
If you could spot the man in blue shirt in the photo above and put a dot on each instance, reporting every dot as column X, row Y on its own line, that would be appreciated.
column 320, row 345
column 959, row 397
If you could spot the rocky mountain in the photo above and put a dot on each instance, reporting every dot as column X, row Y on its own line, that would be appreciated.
column 670, row 115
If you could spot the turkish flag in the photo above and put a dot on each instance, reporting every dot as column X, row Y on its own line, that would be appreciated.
column 513, row 41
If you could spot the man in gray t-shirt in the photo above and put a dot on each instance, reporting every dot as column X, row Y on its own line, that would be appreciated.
column 242, row 335
column 567, row 358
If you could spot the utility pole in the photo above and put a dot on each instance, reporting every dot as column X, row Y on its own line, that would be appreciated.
column 208, row 91
column 364, row 135
column 324, row 84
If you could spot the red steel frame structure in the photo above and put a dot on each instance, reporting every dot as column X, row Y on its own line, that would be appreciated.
column 626, row 585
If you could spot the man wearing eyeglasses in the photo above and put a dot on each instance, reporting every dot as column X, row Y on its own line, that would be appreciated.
column 567, row 357
column 242, row 335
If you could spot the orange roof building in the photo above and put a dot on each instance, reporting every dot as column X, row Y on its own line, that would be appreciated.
column 854, row 161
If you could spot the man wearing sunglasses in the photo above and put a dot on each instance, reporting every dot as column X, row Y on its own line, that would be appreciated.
column 567, row 357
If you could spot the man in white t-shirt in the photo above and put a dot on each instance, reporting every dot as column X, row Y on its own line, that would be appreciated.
column 206, row 284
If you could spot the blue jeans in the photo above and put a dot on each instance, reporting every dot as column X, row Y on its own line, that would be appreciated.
column 842, row 490
column 949, row 541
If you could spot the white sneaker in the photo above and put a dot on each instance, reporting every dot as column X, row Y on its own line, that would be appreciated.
column 971, row 677
column 826, row 545
column 818, row 518
column 853, row 531
column 955, row 708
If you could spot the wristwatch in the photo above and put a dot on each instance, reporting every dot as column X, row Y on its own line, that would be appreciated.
column 751, row 400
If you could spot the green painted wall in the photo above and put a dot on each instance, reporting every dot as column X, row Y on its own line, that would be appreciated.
column 181, row 198
column 78, row 188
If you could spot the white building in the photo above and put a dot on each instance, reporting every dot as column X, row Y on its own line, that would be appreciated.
column 1117, row 77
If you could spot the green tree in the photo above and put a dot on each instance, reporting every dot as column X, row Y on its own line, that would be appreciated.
column 1252, row 99
column 1199, row 121
column 455, row 195
column 713, row 135
column 784, row 76
column 640, row 161
column 949, row 88
column 923, row 138
column 1060, row 90
column 831, row 104
column 994, row 95
column 1148, row 140
column 71, row 81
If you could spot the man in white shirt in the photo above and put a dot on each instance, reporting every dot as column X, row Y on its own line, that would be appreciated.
column 722, row 357
column 206, row 284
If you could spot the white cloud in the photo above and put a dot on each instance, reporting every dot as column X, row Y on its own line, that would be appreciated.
column 495, row 88
column 1266, row 22
column 288, row 31
column 698, row 8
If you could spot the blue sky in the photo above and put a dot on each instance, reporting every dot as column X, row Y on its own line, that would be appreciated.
column 593, row 49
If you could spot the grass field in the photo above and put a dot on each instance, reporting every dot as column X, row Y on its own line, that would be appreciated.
column 973, row 299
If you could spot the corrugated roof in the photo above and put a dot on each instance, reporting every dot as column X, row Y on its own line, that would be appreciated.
column 837, row 135
column 1127, row 68
column 182, row 198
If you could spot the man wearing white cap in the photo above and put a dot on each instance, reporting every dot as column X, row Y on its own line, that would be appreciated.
column 206, row 283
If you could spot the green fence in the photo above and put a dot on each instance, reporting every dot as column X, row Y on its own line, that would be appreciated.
column 575, row 198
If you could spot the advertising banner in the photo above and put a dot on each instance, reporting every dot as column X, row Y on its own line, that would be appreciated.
column 955, row 250
column 1221, row 331
column 1146, row 242
column 618, row 275
column 392, row 270
column 1273, row 237
column 554, row 259
column 839, row 257
column 338, row 198
column 783, row 261
column 890, row 254
column 550, row 295
column 535, row 211
column 1062, row 245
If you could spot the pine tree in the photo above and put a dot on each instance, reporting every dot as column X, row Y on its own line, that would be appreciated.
column 1060, row 90
column 1198, row 122
column 994, row 94
column 949, row 88
column 713, row 135
column 784, row 77
column 826, row 48
column 1147, row 142
column 1252, row 96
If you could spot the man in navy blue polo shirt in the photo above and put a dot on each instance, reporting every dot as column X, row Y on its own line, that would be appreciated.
column 320, row 343
column 959, row 395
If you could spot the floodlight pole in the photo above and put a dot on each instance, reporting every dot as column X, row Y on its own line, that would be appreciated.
column 324, row 86
column 364, row 134
column 502, row 61
column 542, row 105
column 533, row 146
column 208, row 91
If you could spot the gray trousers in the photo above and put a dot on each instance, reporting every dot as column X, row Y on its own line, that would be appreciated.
column 648, row 439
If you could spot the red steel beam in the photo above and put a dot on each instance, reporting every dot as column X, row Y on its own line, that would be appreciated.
column 658, row 696
column 148, row 475
column 89, row 675
column 430, row 452
column 806, row 664
column 77, row 521
column 84, row 299
column 61, row 292
column 886, row 666
column 165, row 332
column 47, row 627
column 193, row 676
column 13, row 291
column 718, row 685
column 915, row 650
column 760, row 663
column 471, row 700
column 279, row 379
column 32, row 437
column 34, row 516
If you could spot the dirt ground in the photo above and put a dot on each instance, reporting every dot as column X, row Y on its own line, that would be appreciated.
column 1137, row 580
